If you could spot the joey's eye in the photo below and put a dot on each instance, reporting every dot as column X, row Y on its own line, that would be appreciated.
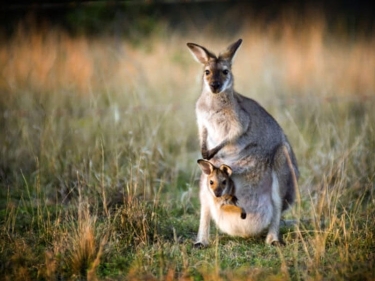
column 207, row 72
column 224, row 182
column 211, row 182
column 225, row 71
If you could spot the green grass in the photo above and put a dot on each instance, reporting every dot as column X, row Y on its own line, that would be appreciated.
column 98, row 171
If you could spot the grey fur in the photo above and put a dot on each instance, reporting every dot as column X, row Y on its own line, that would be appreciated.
column 235, row 130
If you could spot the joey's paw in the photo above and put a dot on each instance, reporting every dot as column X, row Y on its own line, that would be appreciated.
column 199, row 245
column 226, row 198
column 243, row 215
column 234, row 200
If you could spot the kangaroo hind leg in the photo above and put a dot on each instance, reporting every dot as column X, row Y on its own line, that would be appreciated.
column 273, row 231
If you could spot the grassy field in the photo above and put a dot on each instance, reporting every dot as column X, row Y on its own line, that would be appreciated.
column 99, row 144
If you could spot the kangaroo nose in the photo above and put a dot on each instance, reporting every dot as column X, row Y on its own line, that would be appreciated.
column 215, row 86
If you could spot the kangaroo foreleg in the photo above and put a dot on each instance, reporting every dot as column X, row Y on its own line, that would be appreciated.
column 203, row 140
column 209, row 153
column 212, row 152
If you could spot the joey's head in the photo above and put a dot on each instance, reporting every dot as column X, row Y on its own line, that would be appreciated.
column 217, row 72
column 218, row 179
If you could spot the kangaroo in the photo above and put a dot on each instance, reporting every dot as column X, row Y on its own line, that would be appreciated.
column 220, row 190
column 236, row 130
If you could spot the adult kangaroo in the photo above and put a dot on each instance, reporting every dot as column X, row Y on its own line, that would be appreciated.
column 235, row 130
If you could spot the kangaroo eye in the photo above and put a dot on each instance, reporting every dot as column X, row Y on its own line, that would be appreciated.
column 224, row 182
column 211, row 182
column 225, row 71
column 207, row 72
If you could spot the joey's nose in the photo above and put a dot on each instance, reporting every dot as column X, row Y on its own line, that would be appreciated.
column 215, row 86
column 218, row 192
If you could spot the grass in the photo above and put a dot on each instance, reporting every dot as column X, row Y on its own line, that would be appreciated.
column 98, row 169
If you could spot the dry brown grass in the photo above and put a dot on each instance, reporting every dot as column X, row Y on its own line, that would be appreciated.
column 291, row 56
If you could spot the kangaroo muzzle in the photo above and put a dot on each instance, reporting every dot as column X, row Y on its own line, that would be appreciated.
column 215, row 87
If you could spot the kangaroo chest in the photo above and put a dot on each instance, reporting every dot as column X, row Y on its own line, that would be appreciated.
column 221, row 124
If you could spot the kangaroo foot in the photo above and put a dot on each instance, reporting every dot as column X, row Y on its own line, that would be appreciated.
column 272, row 238
column 199, row 245
column 279, row 243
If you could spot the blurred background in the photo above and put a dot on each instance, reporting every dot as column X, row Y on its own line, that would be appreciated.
column 82, row 79
column 292, row 45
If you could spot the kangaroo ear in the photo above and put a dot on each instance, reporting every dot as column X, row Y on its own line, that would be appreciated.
column 200, row 53
column 205, row 166
column 231, row 51
column 226, row 169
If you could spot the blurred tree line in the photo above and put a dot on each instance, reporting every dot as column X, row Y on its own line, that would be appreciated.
column 136, row 19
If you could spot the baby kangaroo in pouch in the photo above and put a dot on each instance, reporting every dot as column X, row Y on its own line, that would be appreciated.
column 221, row 187
column 237, row 132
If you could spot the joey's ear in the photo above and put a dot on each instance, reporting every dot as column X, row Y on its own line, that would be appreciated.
column 231, row 51
column 201, row 54
column 205, row 166
column 226, row 169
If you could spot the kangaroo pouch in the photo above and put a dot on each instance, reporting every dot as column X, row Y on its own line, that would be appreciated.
column 255, row 197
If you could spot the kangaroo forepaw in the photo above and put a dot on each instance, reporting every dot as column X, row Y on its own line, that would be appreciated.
column 209, row 154
column 205, row 154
